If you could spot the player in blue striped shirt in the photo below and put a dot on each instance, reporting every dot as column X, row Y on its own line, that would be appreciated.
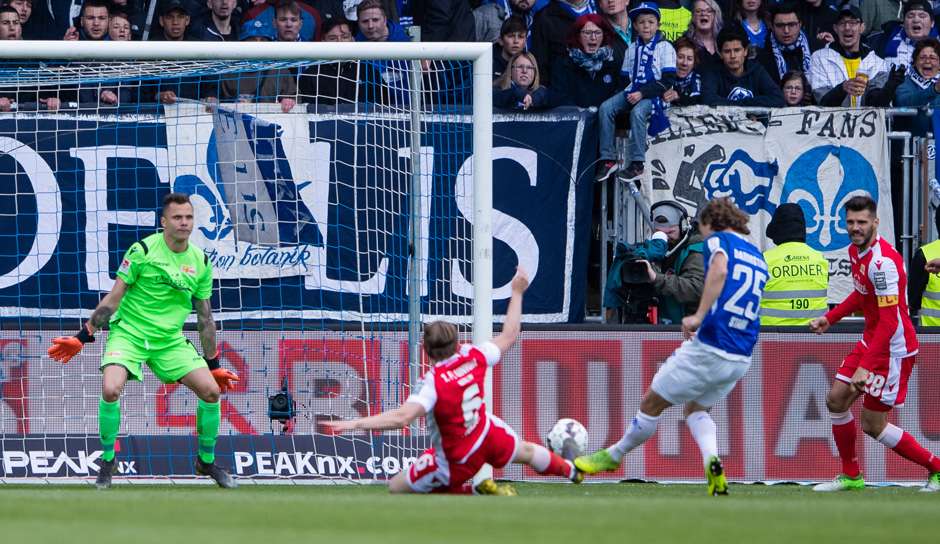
column 720, row 338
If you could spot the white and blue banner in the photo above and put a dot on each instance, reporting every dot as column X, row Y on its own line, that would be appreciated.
column 302, row 215
column 813, row 157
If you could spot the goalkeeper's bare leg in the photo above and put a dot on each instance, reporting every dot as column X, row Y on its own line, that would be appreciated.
column 208, row 415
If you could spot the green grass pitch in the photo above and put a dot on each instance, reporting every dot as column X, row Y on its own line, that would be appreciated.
column 542, row 513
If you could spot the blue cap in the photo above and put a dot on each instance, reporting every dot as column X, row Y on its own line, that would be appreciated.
column 257, row 28
column 645, row 7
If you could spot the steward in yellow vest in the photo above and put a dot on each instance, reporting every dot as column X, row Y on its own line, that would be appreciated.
column 796, row 290
column 923, row 288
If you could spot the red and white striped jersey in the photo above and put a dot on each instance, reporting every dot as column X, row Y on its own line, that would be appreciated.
column 452, row 394
column 881, row 294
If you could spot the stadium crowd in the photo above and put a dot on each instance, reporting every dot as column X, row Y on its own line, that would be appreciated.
column 617, row 55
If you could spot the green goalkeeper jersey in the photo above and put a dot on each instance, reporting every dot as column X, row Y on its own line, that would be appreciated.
column 161, row 286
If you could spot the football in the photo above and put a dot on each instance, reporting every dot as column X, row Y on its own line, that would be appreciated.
column 568, row 438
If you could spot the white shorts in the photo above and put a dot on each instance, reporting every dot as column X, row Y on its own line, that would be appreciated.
column 694, row 373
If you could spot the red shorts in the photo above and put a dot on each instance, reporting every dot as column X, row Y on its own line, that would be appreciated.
column 433, row 473
column 887, row 382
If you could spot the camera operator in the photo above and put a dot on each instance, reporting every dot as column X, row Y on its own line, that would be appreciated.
column 661, row 279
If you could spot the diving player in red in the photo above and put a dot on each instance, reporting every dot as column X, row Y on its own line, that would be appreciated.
column 881, row 363
column 464, row 436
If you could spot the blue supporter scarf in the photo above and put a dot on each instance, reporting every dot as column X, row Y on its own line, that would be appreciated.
column 642, row 73
column 778, row 48
column 690, row 85
column 591, row 63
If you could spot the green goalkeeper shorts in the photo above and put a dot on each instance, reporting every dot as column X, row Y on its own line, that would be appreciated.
column 169, row 361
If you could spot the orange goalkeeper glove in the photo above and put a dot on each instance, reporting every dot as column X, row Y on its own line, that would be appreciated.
column 63, row 348
column 225, row 378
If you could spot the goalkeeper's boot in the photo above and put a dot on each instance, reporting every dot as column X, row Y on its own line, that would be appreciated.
column 715, row 475
column 105, row 470
column 933, row 484
column 490, row 487
column 841, row 483
column 212, row 470
column 599, row 461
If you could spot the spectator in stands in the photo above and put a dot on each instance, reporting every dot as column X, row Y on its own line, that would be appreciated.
column 511, row 42
column 94, row 19
column 390, row 7
column 650, row 66
column 590, row 73
column 707, row 21
column 11, row 28
column 119, row 28
column 444, row 20
column 796, row 89
column 32, row 26
column 519, row 88
column 615, row 13
column 847, row 72
column 818, row 16
column 265, row 11
column 739, row 82
column 751, row 15
column 334, row 83
column 288, row 21
column 674, row 18
column 276, row 84
column 922, row 86
column 550, row 29
column 23, row 8
column 668, row 270
column 787, row 47
column 878, row 13
column 221, row 24
column 374, row 25
column 174, row 19
column 896, row 45
column 489, row 17
column 687, row 90
column 133, row 14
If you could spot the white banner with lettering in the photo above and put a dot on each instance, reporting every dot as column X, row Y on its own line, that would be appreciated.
column 815, row 158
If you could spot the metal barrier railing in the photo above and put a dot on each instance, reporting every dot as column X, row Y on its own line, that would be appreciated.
column 621, row 219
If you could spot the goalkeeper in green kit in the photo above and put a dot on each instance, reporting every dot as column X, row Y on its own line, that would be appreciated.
column 160, row 280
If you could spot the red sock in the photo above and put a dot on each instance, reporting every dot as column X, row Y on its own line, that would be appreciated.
column 557, row 466
column 909, row 449
column 845, row 435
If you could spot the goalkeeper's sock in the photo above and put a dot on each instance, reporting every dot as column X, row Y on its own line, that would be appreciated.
column 845, row 433
column 109, row 423
column 208, row 415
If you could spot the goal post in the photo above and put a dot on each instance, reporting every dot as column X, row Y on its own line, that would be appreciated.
column 41, row 415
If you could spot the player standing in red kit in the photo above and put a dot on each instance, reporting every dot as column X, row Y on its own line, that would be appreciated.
column 881, row 362
column 464, row 436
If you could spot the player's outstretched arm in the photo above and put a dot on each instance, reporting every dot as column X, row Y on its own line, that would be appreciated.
column 512, row 326
column 392, row 419
column 65, row 347
column 714, row 283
